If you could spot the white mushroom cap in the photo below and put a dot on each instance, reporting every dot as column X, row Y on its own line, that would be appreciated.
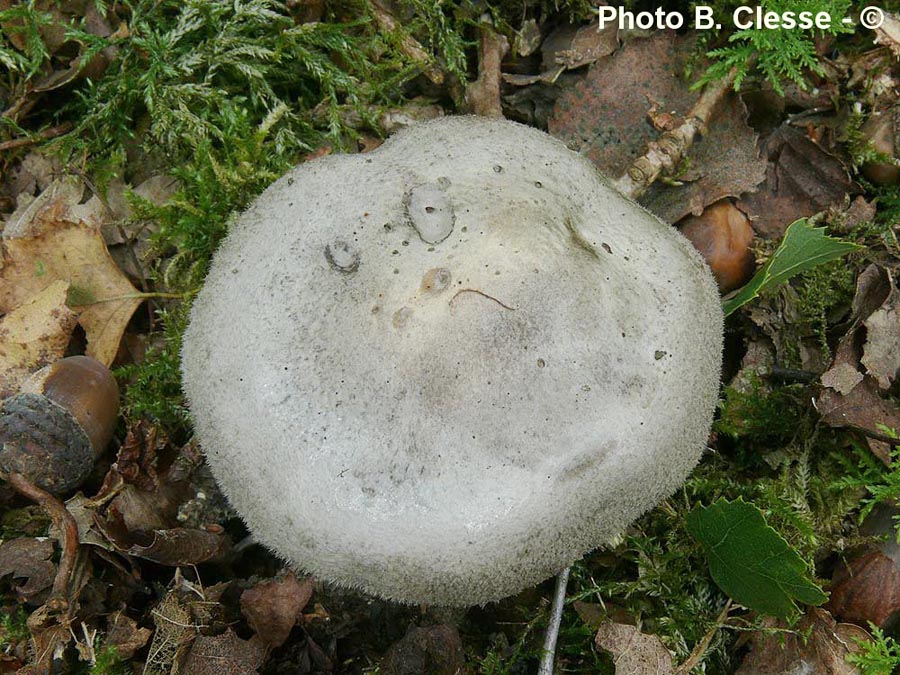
column 442, row 371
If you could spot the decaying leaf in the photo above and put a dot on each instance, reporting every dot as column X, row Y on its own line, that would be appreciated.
column 98, row 291
column 866, row 588
column 58, row 204
column 175, row 630
column 634, row 652
column 801, row 178
column 272, row 607
column 28, row 559
column 34, row 334
column 427, row 649
column 824, row 653
column 888, row 33
column 850, row 397
column 225, row 654
column 881, row 352
column 123, row 634
column 606, row 116
column 181, row 546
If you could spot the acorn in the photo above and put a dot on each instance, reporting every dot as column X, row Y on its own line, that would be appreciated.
column 879, row 129
column 60, row 421
column 723, row 236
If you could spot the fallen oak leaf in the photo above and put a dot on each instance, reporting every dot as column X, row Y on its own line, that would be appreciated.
column 33, row 335
column 78, row 255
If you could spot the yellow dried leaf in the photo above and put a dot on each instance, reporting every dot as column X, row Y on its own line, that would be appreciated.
column 34, row 334
column 101, row 295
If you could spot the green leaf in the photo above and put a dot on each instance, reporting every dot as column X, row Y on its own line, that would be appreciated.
column 802, row 248
column 750, row 561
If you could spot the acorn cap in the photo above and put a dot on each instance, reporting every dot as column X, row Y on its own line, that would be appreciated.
column 446, row 369
column 42, row 441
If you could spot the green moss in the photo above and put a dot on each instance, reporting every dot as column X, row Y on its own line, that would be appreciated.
column 823, row 297
column 152, row 388
column 760, row 417
column 29, row 521
column 13, row 629
column 877, row 657
column 779, row 55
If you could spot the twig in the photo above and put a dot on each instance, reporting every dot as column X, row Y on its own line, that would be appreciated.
column 65, row 524
column 46, row 134
column 700, row 649
column 408, row 44
column 483, row 95
column 663, row 155
column 556, row 612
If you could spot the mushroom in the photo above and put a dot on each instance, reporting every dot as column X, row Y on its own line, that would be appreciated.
column 444, row 370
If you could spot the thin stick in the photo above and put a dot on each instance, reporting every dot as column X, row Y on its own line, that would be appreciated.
column 556, row 612
column 64, row 522
column 700, row 649
column 44, row 135
column 483, row 95
column 663, row 155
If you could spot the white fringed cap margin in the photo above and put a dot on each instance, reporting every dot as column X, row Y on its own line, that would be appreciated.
column 444, row 370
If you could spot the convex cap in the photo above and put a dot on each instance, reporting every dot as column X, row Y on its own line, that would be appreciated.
column 444, row 370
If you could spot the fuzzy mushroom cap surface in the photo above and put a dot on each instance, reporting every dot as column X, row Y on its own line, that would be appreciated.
column 444, row 370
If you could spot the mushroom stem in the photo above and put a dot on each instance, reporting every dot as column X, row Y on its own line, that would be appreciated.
column 556, row 611
column 664, row 154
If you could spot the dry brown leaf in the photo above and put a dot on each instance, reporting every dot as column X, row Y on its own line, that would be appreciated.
column 28, row 559
column 824, row 653
column 33, row 335
column 123, row 634
column 437, row 650
column 272, row 607
column 606, row 116
column 888, row 33
column 842, row 377
column 881, row 352
column 59, row 203
column 866, row 588
column 571, row 46
column 225, row 654
column 634, row 652
column 101, row 294
column 802, row 179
